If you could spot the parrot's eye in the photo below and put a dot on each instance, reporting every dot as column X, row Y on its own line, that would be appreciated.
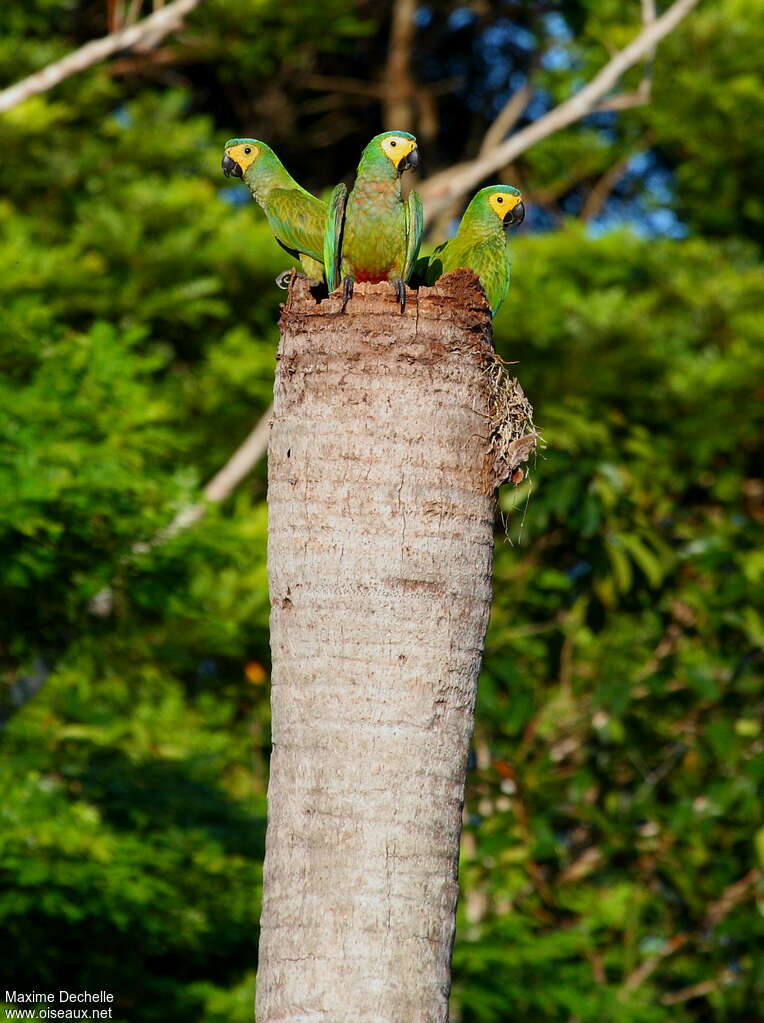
column 393, row 142
column 499, row 198
column 248, row 150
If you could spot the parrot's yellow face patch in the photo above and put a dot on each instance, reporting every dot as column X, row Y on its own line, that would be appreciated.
column 503, row 203
column 244, row 154
column 397, row 148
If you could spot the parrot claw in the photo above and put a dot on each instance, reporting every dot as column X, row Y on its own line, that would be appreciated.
column 347, row 291
column 400, row 291
column 285, row 278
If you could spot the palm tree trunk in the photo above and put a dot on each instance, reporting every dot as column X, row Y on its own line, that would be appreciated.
column 381, row 483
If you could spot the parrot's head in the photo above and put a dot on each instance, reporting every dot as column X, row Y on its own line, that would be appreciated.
column 399, row 147
column 239, row 155
column 505, row 201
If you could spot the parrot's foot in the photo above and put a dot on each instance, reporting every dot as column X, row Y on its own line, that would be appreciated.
column 400, row 291
column 287, row 277
column 347, row 291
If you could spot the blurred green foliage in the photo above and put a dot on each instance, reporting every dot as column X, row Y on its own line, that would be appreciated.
column 615, row 823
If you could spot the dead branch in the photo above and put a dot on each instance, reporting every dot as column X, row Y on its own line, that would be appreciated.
column 132, row 11
column 147, row 32
column 221, row 486
column 441, row 188
column 399, row 88
column 626, row 100
column 507, row 117
column 145, row 62
column 589, row 860
column 700, row 990
column 642, row 94
column 601, row 190
column 112, row 16
column 643, row 971
column 732, row 896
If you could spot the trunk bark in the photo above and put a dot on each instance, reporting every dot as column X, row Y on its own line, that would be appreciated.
column 381, row 483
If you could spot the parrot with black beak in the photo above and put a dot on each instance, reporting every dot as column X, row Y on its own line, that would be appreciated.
column 296, row 217
column 374, row 234
column 480, row 243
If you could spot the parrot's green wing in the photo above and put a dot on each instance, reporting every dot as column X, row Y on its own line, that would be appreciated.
column 297, row 220
column 414, row 232
column 492, row 267
column 335, row 219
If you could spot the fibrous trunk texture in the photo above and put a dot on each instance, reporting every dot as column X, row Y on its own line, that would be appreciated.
column 381, row 491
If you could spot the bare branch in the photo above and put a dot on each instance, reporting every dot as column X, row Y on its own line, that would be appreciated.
column 427, row 121
column 648, row 17
column 501, row 126
column 589, row 860
column 441, row 188
column 627, row 100
column 133, row 10
column 112, row 15
column 150, row 29
column 601, row 190
column 732, row 896
column 638, row 98
column 700, row 990
column 140, row 60
column 507, row 117
column 398, row 103
column 221, row 486
column 643, row 971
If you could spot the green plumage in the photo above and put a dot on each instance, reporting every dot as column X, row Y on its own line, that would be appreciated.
column 335, row 218
column 296, row 217
column 480, row 243
column 378, row 239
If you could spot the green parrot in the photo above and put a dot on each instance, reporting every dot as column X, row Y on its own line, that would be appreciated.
column 373, row 234
column 296, row 217
column 480, row 243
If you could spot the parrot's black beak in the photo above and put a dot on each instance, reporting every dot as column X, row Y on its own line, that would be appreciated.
column 410, row 161
column 515, row 216
column 231, row 169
